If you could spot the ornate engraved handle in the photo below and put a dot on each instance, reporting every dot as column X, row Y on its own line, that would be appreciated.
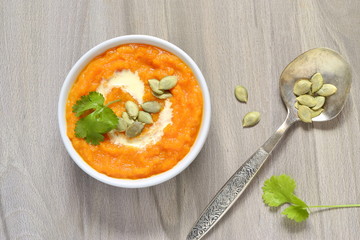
column 235, row 186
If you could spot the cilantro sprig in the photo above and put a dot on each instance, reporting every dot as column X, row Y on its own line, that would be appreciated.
column 279, row 190
column 100, row 121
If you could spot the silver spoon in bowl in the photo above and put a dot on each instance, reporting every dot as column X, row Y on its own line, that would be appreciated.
column 335, row 70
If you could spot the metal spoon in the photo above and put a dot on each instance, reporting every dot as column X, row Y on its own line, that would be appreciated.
column 335, row 70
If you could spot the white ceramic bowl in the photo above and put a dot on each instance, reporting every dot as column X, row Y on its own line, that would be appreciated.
column 80, row 65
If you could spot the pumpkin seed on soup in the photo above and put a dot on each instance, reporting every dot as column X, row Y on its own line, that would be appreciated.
column 316, row 113
column 241, row 93
column 134, row 129
column 320, row 101
column 304, row 114
column 327, row 90
column 302, row 86
column 145, row 117
column 165, row 95
column 168, row 82
column 122, row 125
column 132, row 109
column 306, row 100
column 154, row 85
column 317, row 82
column 151, row 106
column 126, row 118
column 251, row 119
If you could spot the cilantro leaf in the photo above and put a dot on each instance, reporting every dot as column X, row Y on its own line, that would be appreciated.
column 297, row 213
column 93, row 100
column 278, row 190
column 93, row 126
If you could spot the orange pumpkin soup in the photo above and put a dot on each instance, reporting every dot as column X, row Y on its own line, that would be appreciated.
column 133, row 159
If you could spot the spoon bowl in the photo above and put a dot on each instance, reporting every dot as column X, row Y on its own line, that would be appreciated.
column 334, row 69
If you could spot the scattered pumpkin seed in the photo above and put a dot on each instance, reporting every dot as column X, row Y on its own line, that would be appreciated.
column 320, row 101
column 168, row 82
column 306, row 100
column 304, row 113
column 317, row 82
column 327, row 90
column 296, row 105
column 241, row 93
column 145, row 117
column 134, row 129
column 122, row 125
column 154, row 85
column 151, row 107
column 251, row 119
column 316, row 113
column 132, row 109
column 302, row 86
column 165, row 95
column 126, row 118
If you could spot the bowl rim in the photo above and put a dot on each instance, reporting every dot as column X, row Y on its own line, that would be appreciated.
column 83, row 62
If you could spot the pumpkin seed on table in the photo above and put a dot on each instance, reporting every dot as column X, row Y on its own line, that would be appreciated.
column 165, row 95
column 304, row 114
column 134, row 129
column 241, row 93
column 317, row 82
column 301, row 87
column 327, row 90
column 145, row 117
column 306, row 100
column 320, row 101
column 168, row 82
column 151, row 107
column 296, row 105
column 251, row 119
column 122, row 125
column 132, row 109
column 126, row 118
column 316, row 113
column 154, row 85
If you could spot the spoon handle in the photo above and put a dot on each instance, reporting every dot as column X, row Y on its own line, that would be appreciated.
column 235, row 186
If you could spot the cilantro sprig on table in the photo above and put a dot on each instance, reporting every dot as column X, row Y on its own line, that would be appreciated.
column 279, row 190
column 100, row 121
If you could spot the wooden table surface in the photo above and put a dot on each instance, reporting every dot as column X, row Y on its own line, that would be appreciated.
column 44, row 195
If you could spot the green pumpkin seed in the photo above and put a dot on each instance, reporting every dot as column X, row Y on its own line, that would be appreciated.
column 168, row 82
column 151, row 107
column 154, row 85
column 317, row 82
column 134, row 129
column 165, row 95
column 241, row 93
column 302, row 86
column 132, row 109
column 306, row 100
column 304, row 114
column 320, row 101
column 126, row 118
column 251, row 119
column 145, row 117
column 327, row 90
column 122, row 125
column 296, row 105
column 316, row 113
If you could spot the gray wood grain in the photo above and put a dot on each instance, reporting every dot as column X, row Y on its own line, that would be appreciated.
column 44, row 195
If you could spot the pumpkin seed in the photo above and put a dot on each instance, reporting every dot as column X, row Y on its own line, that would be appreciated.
column 317, row 82
column 306, row 100
column 296, row 105
column 316, row 113
column 165, row 95
column 132, row 109
column 145, row 117
column 320, row 101
column 151, row 107
column 302, row 86
column 154, row 85
column 251, row 119
column 168, row 82
column 241, row 93
column 122, row 125
column 304, row 114
column 126, row 118
column 327, row 90
column 134, row 129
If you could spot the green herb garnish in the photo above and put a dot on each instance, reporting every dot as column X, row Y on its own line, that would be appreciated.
column 100, row 121
column 280, row 189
